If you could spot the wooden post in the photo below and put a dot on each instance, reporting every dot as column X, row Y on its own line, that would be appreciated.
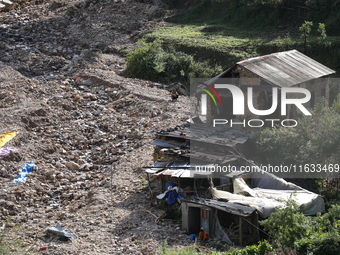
column 162, row 180
column 149, row 185
column 257, row 225
column 240, row 229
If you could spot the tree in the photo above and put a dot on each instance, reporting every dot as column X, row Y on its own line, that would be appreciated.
column 323, row 36
column 305, row 30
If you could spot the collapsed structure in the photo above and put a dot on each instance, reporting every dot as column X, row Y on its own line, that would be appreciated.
column 229, row 204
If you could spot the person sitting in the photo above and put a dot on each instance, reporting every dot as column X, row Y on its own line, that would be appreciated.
column 174, row 95
column 203, row 236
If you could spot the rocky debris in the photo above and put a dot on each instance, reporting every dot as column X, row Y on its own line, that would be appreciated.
column 88, row 178
column 87, row 128
column 6, row 5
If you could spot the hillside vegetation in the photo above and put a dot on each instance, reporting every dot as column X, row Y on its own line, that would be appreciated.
column 223, row 32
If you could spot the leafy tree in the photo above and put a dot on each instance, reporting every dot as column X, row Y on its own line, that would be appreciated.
column 323, row 37
column 316, row 137
column 305, row 29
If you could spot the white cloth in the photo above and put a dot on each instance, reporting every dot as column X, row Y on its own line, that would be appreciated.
column 161, row 196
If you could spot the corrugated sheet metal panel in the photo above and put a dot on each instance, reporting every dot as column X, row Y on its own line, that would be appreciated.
column 169, row 144
column 160, row 166
column 207, row 134
column 178, row 173
column 234, row 209
column 191, row 173
column 286, row 69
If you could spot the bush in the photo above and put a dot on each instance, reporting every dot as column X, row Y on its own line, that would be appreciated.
column 287, row 225
column 145, row 61
column 320, row 243
column 261, row 249
column 326, row 11
column 150, row 61
column 330, row 220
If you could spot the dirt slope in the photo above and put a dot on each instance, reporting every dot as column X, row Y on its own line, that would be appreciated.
column 75, row 117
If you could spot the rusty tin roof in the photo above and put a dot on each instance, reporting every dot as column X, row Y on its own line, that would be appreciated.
column 286, row 69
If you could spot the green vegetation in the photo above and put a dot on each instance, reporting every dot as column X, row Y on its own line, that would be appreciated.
column 150, row 61
column 261, row 248
column 225, row 45
column 316, row 137
column 264, row 15
column 221, row 32
column 305, row 29
column 12, row 240
column 287, row 225
column 218, row 44
column 292, row 233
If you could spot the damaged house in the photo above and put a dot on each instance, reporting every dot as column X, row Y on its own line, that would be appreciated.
column 233, row 215
column 178, row 150
column 229, row 205
column 282, row 69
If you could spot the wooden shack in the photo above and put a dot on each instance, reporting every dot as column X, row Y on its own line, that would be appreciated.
column 282, row 69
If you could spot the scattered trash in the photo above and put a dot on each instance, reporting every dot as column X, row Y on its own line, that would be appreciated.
column 43, row 248
column 63, row 238
column 61, row 232
column 4, row 152
column 55, row 122
column 26, row 169
column 7, row 136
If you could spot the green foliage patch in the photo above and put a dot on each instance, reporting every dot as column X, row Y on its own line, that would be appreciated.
column 316, row 137
column 150, row 61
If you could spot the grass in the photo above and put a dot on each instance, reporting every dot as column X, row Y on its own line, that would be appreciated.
column 199, row 37
column 225, row 45
column 13, row 240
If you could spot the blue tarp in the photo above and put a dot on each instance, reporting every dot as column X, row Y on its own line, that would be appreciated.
column 26, row 169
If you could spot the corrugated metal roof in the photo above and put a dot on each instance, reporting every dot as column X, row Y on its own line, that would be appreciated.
column 286, row 68
column 159, row 166
column 206, row 134
column 169, row 144
column 234, row 209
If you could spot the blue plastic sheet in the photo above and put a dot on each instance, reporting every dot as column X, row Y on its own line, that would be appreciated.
column 26, row 169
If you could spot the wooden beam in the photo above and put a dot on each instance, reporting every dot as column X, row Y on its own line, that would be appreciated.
column 240, row 229
column 257, row 225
